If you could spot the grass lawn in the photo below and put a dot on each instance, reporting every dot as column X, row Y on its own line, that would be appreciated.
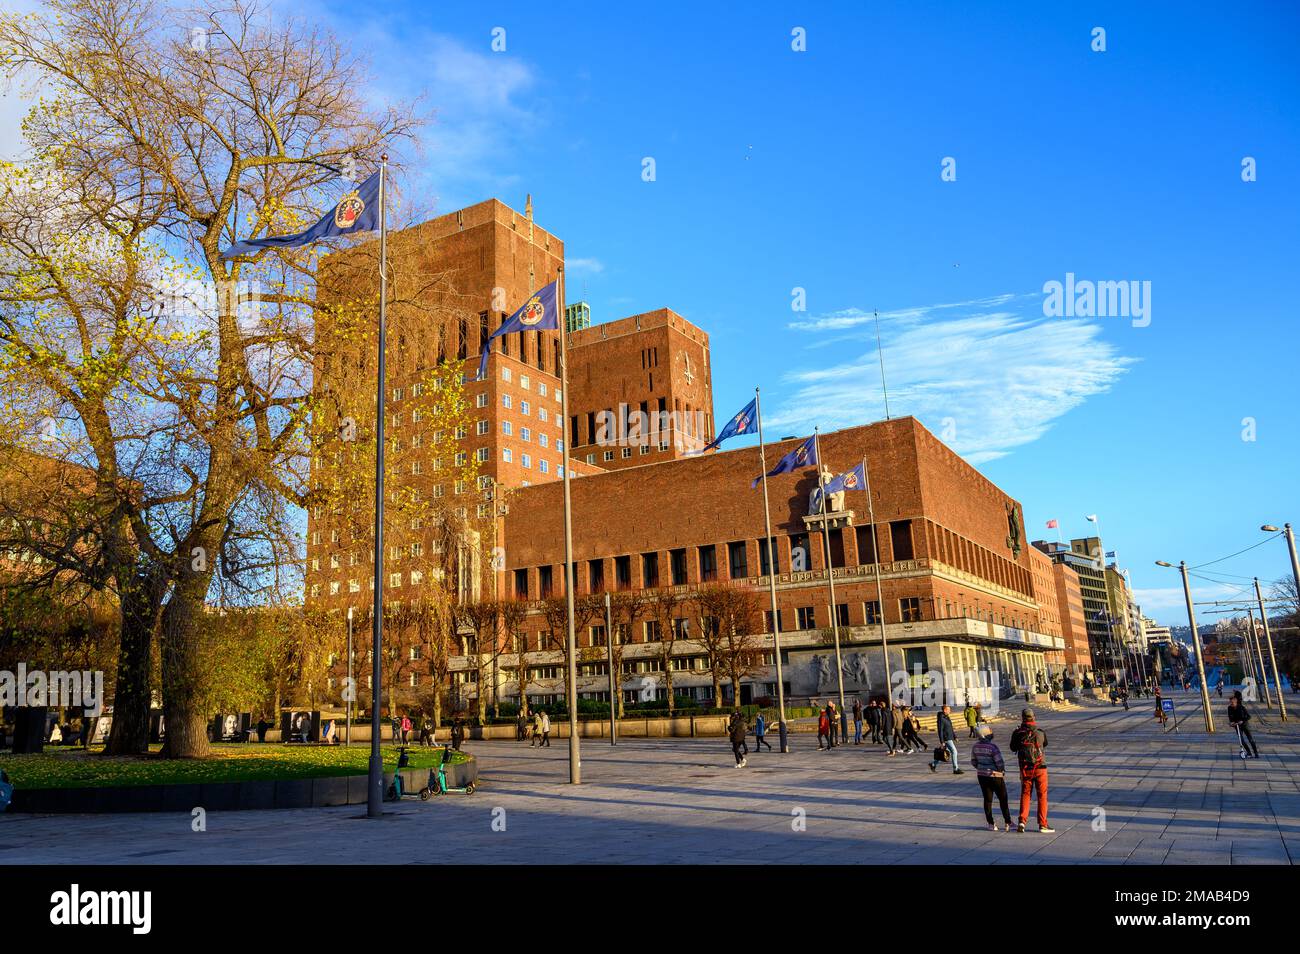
column 75, row 768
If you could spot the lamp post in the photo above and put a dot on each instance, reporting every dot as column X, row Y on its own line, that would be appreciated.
column 352, row 686
column 1286, row 530
column 1196, row 640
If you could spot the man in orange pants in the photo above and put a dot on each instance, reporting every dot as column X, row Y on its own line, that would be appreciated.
column 1028, row 742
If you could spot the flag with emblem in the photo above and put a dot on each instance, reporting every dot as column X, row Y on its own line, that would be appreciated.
column 855, row 479
column 357, row 211
column 744, row 422
column 541, row 310
column 805, row 455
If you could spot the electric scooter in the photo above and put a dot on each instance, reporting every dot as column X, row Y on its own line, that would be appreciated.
column 396, row 791
column 438, row 779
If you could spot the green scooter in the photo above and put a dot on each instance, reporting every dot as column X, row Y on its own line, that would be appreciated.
column 438, row 779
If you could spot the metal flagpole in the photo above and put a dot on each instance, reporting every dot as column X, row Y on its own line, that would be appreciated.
column 830, row 578
column 570, row 572
column 782, row 730
column 875, row 559
column 1268, row 638
column 375, row 781
column 609, row 656
column 352, row 686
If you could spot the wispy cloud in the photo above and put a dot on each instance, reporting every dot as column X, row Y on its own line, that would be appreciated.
column 985, row 379
column 592, row 266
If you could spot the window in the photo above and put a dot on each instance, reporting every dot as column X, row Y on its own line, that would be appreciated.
column 544, row 466
column 523, row 407
column 780, row 618
column 806, row 618
column 461, row 431
column 507, row 428
column 505, row 454
column 481, row 427
column 521, row 583
column 395, row 580
column 591, row 459
column 871, row 611
column 622, row 572
column 842, row 614
column 437, row 491
column 765, row 566
column 677, row 560
column 866, row 545
column 505, row 376
column 542, row 415
column 506, row 401
column 397, row 394
column 708, row 563
column 900, row 537
column 417, row 467
column 649, row 570
column 461, row 458
column 334, row 588
column 526, row 460
column 545, row 581
column 523, row 382
column 652, row 631
column 910, row 607
column 541, row 388
column 525, row 434
column 737, row 560
column 609, row 455
column 460, row 486
column 627, row 452
column 544, row 440
column 596, row 576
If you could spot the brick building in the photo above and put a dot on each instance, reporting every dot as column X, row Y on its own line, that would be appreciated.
column 963, row 595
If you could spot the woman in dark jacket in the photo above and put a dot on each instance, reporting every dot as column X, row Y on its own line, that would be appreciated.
column 737, row 733
column 1239, row 719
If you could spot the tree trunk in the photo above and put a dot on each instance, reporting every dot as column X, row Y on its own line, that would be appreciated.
column 183, row 677
column 129, row 732
column 133, row 693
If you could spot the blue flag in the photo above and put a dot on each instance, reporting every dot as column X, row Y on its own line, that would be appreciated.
column 855, row 479
column 541, row 310
column 358, row 211
column 746, row 422
column 805, row 455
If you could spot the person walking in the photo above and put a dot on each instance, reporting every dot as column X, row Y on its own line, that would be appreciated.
column 406, row 729
column 886, row 716
column 1160, row 709
column 912, row 730
column 947, row 739
column 972, row 719
column 900, row 729
column 823, row 730
column 737, row 732
column 1239, row 719
column 426, row 732
column 546, row 729
column 857, row 721
column 536, row 739
column 986, row 757
column 1028, row 742
column 760, row 730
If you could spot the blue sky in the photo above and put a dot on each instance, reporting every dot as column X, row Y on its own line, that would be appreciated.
column 820, row 170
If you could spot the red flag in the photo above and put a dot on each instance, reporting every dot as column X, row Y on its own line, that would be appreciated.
column 1051, row 524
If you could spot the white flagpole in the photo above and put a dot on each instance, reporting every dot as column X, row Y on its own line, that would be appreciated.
column 830, row 576
column 771, row 580
column 875, row 556
column 375, row 780
column 570, row 572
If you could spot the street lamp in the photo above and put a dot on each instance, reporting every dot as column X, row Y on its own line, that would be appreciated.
column 1286, row 530
column 1196, row 639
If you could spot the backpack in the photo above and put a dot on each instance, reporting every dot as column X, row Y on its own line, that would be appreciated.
column 1029, row 751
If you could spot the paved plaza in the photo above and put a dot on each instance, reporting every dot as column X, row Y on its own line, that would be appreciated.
column 1122, row 792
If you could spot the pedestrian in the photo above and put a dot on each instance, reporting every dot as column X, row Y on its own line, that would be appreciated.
column 521, row 726
column 834, row 720
column 947, row 739
column 987, row 759
column 1028, row 742
column 546, row 730
column 1160, row 708
column 900, row 728
column 737, row 732
column 426, row 732
column 873, row 721
column 406, row 728
column 972, row 719
column 886, row 716
column 536, row 739
column 914, row 731
column 857, row 721
column 823, row 729
column 1239, row 719
column 760, row 730
column 457, row 733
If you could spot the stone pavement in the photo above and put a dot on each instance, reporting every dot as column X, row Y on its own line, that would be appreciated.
column 1164, row 798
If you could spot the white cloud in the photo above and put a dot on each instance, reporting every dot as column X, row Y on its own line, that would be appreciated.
column 592, row 265
column 987, row 381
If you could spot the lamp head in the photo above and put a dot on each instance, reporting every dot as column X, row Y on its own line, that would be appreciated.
column 1163, row 563
column 1269, row 528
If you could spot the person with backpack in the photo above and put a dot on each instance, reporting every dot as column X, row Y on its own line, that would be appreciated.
column 760, row 730
column 1028, row 742
column 1239, row 719
column 992, row 771
column 736, row 730
column 947, row 740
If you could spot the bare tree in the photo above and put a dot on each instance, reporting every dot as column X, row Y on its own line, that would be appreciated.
column 194, row 428
column 661, row 614
column 627, row 608
column 728, row 623
column 513, row 615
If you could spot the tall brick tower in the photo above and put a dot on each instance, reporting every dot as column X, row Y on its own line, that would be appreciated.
column 640, row 390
